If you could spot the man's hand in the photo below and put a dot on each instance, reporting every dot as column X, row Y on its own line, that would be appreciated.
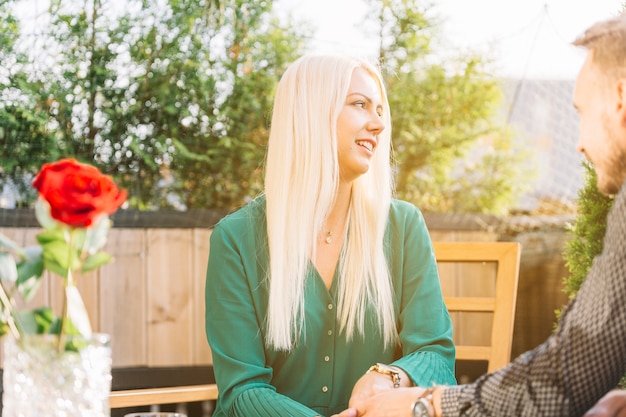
column 389, row 403
column 613, row 404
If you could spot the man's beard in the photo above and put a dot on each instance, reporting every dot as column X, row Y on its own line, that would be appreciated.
column 612, row 177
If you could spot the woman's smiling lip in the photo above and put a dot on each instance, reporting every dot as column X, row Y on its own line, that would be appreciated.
column 369, row 144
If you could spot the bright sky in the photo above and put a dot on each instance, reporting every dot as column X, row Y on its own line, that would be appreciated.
column 527, row 38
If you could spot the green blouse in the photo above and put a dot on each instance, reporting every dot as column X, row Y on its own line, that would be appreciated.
column 317, row 376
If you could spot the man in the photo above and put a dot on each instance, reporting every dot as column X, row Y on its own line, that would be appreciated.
column 586, row 356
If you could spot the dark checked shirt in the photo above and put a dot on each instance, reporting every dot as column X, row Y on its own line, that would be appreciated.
column 316, row 377
column 575, row 366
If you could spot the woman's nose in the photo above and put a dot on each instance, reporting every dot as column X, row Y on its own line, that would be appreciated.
column 376, row 124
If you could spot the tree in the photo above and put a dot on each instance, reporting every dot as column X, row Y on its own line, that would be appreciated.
column 173, row 99
column 23, row 131
column 452, row 153
column 587, row 232
column 169, row 97
column 223, row 167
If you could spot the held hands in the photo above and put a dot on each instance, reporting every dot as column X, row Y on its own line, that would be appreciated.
column 613, row 404
column 369, row 384
column 374, row 395
column 385, row 403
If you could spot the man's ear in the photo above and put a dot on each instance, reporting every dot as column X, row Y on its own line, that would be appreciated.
column 621, row 100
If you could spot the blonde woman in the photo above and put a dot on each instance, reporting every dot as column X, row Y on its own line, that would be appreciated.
column 324, row 290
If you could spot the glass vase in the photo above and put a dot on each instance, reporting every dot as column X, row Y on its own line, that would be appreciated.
column 39, row 380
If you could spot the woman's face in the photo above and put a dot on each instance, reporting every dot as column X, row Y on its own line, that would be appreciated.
column 358, row 125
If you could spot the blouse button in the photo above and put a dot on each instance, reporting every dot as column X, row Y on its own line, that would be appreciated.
column 326, row 358
column 330, row 306
column 324, row 388
column 330, row 332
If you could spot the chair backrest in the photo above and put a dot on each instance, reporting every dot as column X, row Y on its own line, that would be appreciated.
column 166, row 395
column 500, row 304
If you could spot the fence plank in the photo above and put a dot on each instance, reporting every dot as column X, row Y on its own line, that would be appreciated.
column 169, row 278
column 201, row 350
column 123, row 297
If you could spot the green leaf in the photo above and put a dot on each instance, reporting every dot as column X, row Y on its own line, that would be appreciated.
column 96, row 236
column 78, row 237
column 31, row 267
column 29, row 272
column 4, row 328
column 48, row 236
column 28, row 287
column 42, row 213
column 37, row 321
column 5, row 242
column 94, row 261
column 56, row 257
column 8, row 268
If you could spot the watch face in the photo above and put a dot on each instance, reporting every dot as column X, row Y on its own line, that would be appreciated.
column 420, row 409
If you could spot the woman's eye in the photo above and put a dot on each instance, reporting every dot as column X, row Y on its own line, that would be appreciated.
column 360, row 104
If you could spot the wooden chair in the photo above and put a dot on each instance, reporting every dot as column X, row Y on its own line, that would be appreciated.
column 506, row 258
column 167, row 395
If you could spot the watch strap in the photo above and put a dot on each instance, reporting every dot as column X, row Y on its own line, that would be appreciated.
column 381, row 368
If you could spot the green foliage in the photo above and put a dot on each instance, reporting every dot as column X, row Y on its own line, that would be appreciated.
column 451, row 153
column 228, row 171
column 24, row 139
column 587, row 232
column 171, row 98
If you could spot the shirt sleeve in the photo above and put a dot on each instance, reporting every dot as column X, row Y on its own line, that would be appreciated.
column 425, row 328
column 576, row 365
column 242, row 377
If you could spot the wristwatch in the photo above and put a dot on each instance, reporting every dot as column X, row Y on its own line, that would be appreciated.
column 423, row 406
column 381, row 368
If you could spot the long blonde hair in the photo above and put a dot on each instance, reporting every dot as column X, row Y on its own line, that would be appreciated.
column 301, row 181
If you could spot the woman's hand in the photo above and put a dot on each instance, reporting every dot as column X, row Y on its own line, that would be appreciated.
column 350, row 412
column 368, row 385
column 613, row 404
column 373, row 382
column 395, row 402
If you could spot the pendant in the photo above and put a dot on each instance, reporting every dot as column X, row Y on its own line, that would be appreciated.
column 329, row 239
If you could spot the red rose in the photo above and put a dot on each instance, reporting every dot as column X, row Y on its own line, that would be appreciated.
column 77, row 193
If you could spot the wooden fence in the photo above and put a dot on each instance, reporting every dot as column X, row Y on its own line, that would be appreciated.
column 151, row 297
